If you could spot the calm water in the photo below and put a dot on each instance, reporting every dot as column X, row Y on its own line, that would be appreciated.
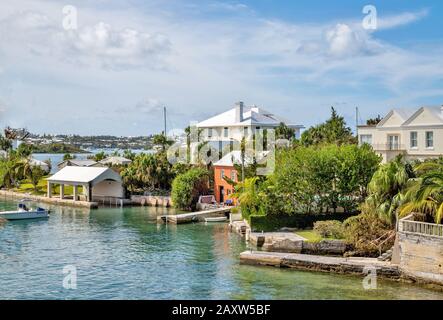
column 123, row 254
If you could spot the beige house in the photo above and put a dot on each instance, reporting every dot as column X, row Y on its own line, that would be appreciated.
column 417, row 134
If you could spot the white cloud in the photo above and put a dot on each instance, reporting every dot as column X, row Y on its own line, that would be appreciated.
column 199, row 66
column 97, row 45
column 401, row 19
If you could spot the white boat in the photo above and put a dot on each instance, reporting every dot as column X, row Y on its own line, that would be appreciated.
column 216, row 219
column 23, row 212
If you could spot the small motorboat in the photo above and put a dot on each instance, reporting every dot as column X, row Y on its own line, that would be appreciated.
column 216, row 219
column 24, row 212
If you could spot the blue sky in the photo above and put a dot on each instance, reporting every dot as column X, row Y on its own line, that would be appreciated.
column 126, row 59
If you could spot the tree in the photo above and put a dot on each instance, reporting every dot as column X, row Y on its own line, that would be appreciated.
column 187, row 187
column 5, row 143
column 99, row 156
column 248, row 195
column 386, row 187
column 374, row 121
column 162, row 141
column 334, row 131
column 35, row 174
column 68, row 156
column 425, row 194
column 284, row 132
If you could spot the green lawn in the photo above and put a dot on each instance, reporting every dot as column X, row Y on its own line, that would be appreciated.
column 27, row 187
column 311, row 236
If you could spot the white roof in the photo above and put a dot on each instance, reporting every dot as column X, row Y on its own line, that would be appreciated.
column 234, row 157
column 252, row 115
column 82, row 175
column 115, row 160
column 79, row 163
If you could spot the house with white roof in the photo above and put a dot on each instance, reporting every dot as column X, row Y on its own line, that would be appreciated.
column 417, row 134
column 241, row 121
column 96, row 183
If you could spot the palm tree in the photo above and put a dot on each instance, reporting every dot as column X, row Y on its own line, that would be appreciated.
column 386, row 186
column 248, row 196
column 425, row 194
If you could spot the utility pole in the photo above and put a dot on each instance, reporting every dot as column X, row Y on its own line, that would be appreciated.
column 164, row 118
column 356, row 122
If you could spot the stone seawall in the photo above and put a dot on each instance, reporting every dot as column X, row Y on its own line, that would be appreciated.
column 155, row 201
column 55, row 201
column 421, row 257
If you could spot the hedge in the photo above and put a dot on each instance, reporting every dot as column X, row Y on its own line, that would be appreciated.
column 271, row 223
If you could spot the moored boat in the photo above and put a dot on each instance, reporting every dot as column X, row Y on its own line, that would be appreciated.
column 216, row 219
column 23, row 212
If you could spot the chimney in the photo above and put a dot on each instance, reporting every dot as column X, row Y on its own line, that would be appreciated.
column 239, row 111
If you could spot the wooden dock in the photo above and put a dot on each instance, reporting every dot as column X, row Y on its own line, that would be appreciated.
column 198, row 216
column 320, row 263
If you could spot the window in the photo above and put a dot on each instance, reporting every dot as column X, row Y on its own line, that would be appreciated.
column 414, row 143
column 222, row 174
column 393, row 142
column 209, row 132
column 245, row 131
column 233, row 175
column 366, row 138
column 226, row 132
column 429, row 139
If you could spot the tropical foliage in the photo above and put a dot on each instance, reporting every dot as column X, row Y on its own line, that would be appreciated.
column 248, row 195
column 334, row 131
column 386, row 187
column 188, row 186
column 316, row 180
column 424, row 194
column 149, row 172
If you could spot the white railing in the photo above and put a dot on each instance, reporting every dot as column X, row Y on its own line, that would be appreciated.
column 430, row 229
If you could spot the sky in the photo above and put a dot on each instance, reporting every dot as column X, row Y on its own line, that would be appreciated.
column 111, row 67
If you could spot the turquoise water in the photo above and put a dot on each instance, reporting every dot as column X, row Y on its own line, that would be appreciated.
column 124, row 254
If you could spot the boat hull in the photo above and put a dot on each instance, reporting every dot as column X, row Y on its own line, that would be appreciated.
column 217, row 219
column 24, row 215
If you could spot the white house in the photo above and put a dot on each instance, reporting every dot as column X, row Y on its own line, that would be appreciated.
column 241, row 121
column 116, row 161
column 97, row 183
column 417, row 134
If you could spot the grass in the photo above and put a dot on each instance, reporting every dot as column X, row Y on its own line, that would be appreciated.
column 27, row 187
column 312, row 236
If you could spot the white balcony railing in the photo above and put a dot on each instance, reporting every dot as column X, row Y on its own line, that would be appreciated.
column 430, row 229
column 388, row 147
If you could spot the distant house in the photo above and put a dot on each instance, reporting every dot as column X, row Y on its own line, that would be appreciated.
column 116, row 161
column 97, row 183
column 78, row 163
column 37, row 163
column 225, row 167
column 241, row 121
column 416, row 134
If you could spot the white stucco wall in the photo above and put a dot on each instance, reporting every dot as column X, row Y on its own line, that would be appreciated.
column 108, row 189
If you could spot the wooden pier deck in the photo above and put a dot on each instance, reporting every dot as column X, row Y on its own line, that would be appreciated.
column 198, row 216
column 320, row 263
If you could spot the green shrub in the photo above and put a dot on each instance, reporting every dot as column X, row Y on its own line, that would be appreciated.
column 329, row 229
column 188, row 186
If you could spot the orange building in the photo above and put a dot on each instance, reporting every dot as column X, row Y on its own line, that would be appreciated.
column 222, row 188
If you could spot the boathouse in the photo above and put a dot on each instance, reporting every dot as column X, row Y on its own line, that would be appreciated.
column 91, row 184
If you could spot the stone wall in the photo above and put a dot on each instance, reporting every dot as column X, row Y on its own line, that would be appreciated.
column 155, row 201
column 421, row 257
